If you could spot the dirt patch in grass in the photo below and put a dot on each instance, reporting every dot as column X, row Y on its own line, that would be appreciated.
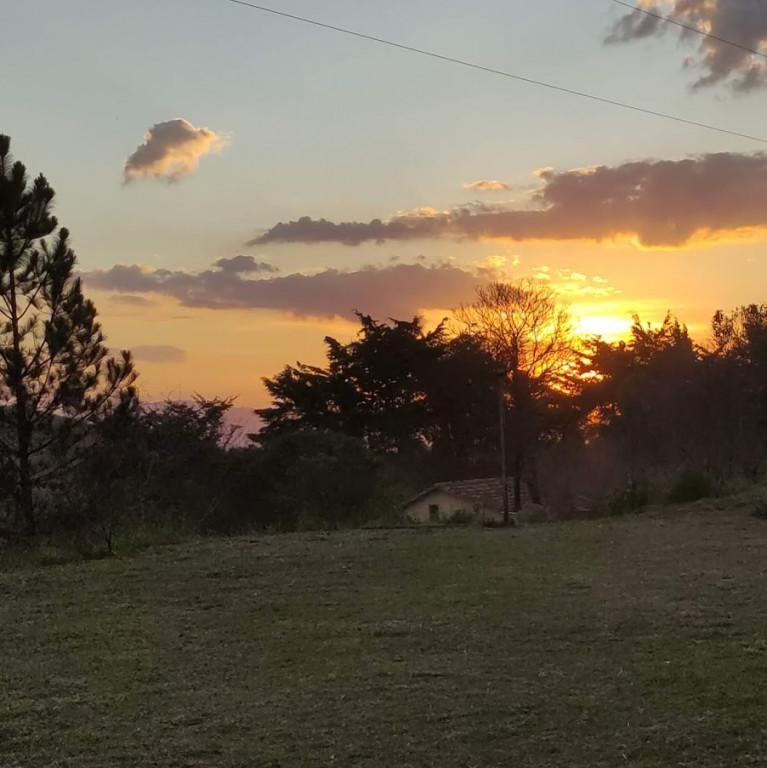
column 640, row 642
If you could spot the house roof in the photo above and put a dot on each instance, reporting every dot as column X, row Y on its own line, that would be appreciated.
column 486, row 491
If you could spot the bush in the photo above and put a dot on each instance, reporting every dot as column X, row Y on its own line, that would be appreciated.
column 460, row 517
column 302, row 480
column 690, row 485
column 760, row 510
column 630, row 499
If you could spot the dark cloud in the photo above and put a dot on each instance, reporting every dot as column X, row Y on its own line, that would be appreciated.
column 634, row 26
column 172, row 150
column 660, row 203
column 308, row 230
column 244, row 265
column 398, row 291
column 740, row 21
column 158, row 353
column 487, row 186
column 131, row 300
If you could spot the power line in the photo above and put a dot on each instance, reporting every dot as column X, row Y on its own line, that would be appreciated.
column 690, row 28
column 502, row 73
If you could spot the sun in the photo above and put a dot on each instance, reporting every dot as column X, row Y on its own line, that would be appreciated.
column 609, row 327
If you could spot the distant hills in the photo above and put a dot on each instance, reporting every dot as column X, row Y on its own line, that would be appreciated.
column 244, row 418
column 247, row 420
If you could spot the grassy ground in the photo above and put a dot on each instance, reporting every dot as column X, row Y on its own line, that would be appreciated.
column 632, row 642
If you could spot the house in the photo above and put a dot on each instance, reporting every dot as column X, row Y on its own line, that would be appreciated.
column 481, row 498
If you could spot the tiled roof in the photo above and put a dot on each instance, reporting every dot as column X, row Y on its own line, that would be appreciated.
column 486, row 491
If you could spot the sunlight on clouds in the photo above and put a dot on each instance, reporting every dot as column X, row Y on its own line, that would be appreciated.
column 499, row 264
column 668, row 204
column 172, row 150
column 497, row 261
column 424, row 212
column 568, row 274
column 701, row 238
column 483, row 185
column 584, row 170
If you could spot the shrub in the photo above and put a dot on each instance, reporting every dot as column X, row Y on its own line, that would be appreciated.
column 460, row 517
column 690, row 485
column 301, row 480
column 760, row 510
column 630, row 499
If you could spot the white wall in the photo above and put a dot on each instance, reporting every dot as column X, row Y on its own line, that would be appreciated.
column 418, row 511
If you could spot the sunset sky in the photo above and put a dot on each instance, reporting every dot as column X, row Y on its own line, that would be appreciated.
column 237, row 183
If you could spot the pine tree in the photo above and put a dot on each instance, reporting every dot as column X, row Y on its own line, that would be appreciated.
column 56, row 377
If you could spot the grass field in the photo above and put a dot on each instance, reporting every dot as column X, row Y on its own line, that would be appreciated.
column 639, row 641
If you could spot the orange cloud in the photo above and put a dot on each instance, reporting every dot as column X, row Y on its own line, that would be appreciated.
column 172, row 150
column 487, row 186
column 656, row 203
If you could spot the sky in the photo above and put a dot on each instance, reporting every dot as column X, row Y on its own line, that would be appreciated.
column 238, row 183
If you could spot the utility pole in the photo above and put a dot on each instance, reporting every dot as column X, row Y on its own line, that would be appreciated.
column 502, row 428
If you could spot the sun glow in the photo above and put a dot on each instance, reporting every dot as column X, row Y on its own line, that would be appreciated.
column 609, row 327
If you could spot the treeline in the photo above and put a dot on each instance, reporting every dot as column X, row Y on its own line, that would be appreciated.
column 656, row 417
column 588, row 424
column 585, row 425
column 171, row 467
column 680, row 416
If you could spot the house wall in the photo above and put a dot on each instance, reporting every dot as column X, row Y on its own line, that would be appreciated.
column 418, row 511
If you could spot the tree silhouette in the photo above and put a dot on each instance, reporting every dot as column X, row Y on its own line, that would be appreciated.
column 397, row 387
column 646, row 394
column 742, row 334
column 525, row 327
column 740, row 347
column 55, row 373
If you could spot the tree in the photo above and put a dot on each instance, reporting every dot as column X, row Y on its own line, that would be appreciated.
column 670, row 407
column 527, row 330
column 397, row 387
column 742, row 334
column 56, row 377
column 740, row 348
column 175, row 437
column 462, row 393
column 372, row 387
column 646, row 394
column 308, row 478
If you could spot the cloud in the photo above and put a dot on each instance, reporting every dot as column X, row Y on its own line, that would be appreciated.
column 400, row 290
column 244, row 265
column 131, row 300
column 741, row 22
column 158, row 353
column 577, row 286
column 308, row 230
column 660, row 203
column 487, row 186
column 570, row 275
column 172, row 150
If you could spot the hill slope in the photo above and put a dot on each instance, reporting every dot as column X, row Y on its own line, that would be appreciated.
column 638, row 642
